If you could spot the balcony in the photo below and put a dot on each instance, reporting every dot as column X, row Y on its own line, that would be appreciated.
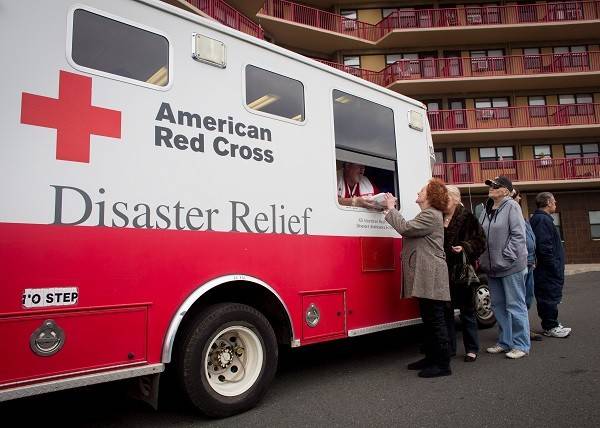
column 294, row 24
column 377, row 77
column 555, row 121
column 248, row 7
column 478, row 74
column 225, row 14
column 576, row 170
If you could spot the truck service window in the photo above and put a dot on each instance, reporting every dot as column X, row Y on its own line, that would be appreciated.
column 275, row 94
column 365, row 142
column 113, row 47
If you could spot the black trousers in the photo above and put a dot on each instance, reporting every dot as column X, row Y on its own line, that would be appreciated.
column 435, row 342
column 547, row 300
column 462, row 298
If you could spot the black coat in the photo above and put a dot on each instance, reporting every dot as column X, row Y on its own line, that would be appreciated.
column 464, row 230
column 550, row 267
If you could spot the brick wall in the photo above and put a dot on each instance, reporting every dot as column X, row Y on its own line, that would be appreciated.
column 573, row 208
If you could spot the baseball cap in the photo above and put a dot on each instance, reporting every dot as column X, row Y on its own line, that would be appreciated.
column 501, row 181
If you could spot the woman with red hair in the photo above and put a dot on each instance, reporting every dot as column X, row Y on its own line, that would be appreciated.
column 425, row 272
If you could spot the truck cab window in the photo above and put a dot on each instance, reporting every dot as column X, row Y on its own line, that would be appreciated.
column 365, row 143
column 274, row 94
column 110, row 46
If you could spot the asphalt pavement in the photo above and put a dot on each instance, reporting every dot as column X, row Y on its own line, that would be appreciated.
column 364, row 382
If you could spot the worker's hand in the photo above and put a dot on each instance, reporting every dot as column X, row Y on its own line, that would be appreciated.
column 367, row 202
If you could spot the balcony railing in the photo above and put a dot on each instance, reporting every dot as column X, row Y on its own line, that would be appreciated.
column 514, row 117
column 227, row 15
column 567, row 11
column 468, row 67
column 492, row 15
column 377, row 77
column 519, row 170
column 313, row 17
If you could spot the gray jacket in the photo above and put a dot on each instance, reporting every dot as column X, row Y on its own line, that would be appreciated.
column 506, row 248
column 423, row 259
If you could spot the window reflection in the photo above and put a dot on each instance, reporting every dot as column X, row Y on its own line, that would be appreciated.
column 363, row 126
column 107, row 45
column 273, row 93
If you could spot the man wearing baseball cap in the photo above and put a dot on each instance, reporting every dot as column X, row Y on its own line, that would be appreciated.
column 500, row 181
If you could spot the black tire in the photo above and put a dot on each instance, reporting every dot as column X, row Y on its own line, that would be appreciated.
column 194, row 350
column 483, row 305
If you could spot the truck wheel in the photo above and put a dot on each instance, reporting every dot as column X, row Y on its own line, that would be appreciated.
column 227, row 359
column 483, row 306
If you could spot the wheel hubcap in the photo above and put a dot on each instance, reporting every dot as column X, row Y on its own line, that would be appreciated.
column 234, row 360
column 483, row 303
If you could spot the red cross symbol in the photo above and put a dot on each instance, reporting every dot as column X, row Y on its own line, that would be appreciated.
column 72, row 115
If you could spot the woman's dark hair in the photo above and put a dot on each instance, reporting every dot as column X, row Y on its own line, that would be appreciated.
column 437, row 194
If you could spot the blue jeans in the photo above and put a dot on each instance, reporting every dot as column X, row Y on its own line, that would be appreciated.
column 529, row 286
column 508, row 303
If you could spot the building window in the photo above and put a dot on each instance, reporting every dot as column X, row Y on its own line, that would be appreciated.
column 349, row 17
column 349, row 14
column 439, row 170
column 407, row 63
column 275, row 94
column 542, row 151
column 532, row 59
column 407, row 18
column 488, row 13
column 571, row 56
column 544, row 154
column 110, row 46
column 433, row 114
column 492, row 108
column 537, row 106
column 577, row 104
column 385, row 12
column 557, row 225
column 564, row 11
column 527, row 12
column 408, row 57
column 594, row 224
column 499, row 154
column 589, row 150
column 352, row 61
column 488, row 60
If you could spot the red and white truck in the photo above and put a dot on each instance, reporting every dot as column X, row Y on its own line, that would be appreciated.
column 169, row 197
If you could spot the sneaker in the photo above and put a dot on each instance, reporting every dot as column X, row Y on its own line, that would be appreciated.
column 496, row 349
column 536, row 337
column 515, row 354
column 558, row 331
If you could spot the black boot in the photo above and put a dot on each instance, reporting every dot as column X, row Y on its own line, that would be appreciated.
column 435, row 371
column 419, row 365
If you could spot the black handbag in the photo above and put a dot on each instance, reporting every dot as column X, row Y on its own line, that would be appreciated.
column 464, row 275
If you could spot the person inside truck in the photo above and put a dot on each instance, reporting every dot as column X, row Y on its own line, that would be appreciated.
column 354, row 188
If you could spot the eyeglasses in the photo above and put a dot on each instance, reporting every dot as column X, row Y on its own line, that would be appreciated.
column 495, row 186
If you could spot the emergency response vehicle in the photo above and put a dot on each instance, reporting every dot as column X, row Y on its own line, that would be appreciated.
column 169, row 197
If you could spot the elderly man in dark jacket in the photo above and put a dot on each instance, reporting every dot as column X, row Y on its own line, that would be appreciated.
column 549, row 273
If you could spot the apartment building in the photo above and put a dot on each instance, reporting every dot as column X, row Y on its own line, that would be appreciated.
column 512, row 87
